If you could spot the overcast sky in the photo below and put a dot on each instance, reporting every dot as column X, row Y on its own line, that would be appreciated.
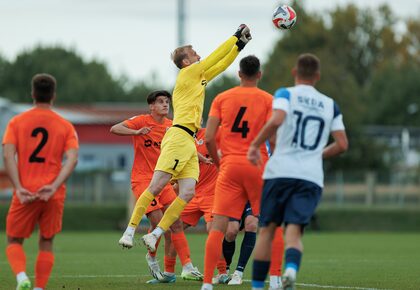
column 135, row 37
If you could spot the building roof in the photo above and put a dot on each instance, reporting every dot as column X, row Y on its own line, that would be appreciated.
column 87, row 114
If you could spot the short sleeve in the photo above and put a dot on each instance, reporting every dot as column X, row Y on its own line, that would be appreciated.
column 72, row 141
column 337, row 122
column 10, row 133
column 135, row 123
column 282, row 100
column 215, row 110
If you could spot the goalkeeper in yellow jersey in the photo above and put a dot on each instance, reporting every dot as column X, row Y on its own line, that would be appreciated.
column 178, row 158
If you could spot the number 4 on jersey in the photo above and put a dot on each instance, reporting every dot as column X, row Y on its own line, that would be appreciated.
column 244, row 129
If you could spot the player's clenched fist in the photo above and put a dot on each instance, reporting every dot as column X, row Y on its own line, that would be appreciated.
column 243, row 33
column 242, row 30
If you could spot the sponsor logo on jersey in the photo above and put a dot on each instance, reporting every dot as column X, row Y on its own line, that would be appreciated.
column 150, row 142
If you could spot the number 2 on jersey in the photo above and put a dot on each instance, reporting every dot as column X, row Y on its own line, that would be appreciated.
column 244, row 129
column 34, row 156
column 301, row 124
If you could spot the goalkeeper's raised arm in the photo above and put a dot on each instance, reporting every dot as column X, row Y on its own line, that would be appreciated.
column 225, row 54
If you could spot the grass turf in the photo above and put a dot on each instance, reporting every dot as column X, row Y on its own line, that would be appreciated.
column 92, row 260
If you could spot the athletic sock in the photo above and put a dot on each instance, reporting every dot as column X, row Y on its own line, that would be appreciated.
column 140, row 208
column 221, row 266
column 228, row 252
column 259, row 273
column 212, row 254
column 277, row 252
column 293, row 259
column 17, row 259
column 170, row 264
column 181, row 247
column 21, row 277
column 153, row 254
column 172, row 213
column 275, row 281
column 247, row 247
column 43, row 267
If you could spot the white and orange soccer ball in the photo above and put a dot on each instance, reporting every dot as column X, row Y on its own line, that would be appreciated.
column 284, row 17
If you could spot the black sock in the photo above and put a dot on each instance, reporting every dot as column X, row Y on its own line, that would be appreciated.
column 228, row 252
column 247, row 247
column 259, row 273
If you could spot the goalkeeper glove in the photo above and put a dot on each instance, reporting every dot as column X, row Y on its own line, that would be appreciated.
column 243, row 40
column 242, row 30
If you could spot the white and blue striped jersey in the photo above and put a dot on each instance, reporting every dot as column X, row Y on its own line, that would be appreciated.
column 310, row 117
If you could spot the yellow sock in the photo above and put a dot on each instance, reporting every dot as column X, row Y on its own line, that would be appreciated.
column 172, row 213
column 141, row 205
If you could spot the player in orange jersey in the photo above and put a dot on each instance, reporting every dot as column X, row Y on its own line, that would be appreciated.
column 240, row 112
column 202, row 202
column 148, row 131
column 40, row 138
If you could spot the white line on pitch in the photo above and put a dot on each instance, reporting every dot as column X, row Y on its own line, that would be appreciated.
column 245, row 280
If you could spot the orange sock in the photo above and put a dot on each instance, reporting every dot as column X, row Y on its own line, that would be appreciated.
column 43, row 268
column 212, row 254
column 181, row 247
column 277, row 252
column 16, row 257
column 170, row 264
column 221, row 265
column 153, row 254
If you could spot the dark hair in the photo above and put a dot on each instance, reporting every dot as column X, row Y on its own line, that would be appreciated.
column 249, row 66
column 179, row 54
column 43, row 87
column 151, row 98
column 307, row 66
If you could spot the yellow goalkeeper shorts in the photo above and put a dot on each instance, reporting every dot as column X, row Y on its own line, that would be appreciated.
column 178, row 155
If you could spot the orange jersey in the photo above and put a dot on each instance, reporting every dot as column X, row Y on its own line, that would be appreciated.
column 41, row 137
column 146, row 147
column 242, row 111
column 208, row 172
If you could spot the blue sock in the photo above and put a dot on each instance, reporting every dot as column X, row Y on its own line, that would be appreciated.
column 228, row 251
column 259, row 273
column 247, row 247
column 293, row 258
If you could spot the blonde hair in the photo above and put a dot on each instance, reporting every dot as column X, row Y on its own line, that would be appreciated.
column 179, row 54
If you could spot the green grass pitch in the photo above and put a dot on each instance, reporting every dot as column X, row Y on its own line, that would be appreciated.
column 92, row 260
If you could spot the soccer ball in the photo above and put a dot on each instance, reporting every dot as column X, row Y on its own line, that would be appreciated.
column 284, row 17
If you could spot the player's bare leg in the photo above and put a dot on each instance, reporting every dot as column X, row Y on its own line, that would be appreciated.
column 159, row 180
column 186, row 193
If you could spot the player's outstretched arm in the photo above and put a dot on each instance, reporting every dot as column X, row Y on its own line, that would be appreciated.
column 225, row 48
column 122, row 129
column 211, row 132
column 266, row 132
column 48, row 190
column 340, row 145
column 222, row 65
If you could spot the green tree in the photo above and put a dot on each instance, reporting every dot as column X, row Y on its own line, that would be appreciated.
column 78, row 81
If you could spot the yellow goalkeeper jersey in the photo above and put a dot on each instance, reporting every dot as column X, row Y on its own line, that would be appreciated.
column 189, row 91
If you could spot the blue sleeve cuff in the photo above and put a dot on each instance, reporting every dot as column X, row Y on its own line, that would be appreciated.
column 282, row 93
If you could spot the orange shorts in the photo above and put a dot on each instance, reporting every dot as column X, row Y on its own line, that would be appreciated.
column 239, row 182
column 166, row 197
column 200, row 205
column 22, row 218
